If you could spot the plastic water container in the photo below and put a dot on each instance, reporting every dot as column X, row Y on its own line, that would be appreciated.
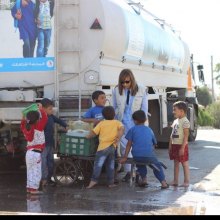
column 78, row 133
column 33, row 107
column 79, row 125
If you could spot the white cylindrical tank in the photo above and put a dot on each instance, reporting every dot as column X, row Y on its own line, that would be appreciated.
column 126, row 34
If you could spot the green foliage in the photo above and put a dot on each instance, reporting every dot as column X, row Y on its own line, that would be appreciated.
column 205, row 118
column 217, row 67
column 217, row 70
column 214, row 111
column 203, row 96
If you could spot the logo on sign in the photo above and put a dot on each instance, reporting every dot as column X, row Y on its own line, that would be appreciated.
column 50, row 63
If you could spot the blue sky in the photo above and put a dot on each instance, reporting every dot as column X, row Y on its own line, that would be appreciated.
column 199, row 24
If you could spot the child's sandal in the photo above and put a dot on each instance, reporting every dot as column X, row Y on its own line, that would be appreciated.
column 165, row 187
column 112, row 186
column 143, row 185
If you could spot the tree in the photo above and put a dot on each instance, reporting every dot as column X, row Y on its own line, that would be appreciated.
column 217, row 70
column 214, row 111
column 203, row 96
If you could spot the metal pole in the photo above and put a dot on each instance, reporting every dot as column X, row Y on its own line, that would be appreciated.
column 56, row 77
column 56, row 48
column 212, row 74
column 79, row 41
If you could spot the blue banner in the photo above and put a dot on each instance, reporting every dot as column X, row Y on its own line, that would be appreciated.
column 27, row 64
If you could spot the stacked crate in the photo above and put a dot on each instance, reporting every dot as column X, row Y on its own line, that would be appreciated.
column 80, row 146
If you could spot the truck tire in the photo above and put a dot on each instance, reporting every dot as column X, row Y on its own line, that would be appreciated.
column 8, row 163
column 154, row 123
column 164, row 143
column 193, row 134
column 1, row 124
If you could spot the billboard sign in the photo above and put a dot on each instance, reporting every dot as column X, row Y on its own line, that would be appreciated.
column 27, row 39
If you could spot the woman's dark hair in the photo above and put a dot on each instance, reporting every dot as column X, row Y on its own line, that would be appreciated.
column 181, row 105
column 32, row 117
column 46, row 103
column 123, row 75
column 108, row 113
column 139, row 116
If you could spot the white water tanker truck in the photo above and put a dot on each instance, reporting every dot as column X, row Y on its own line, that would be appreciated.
column 92, row 41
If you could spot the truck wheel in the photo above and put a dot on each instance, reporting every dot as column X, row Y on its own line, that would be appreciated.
column 163, row 145
column 8, row 163
column 1, row 124
column 65, row 172
column 154, row 123
column 193, row 134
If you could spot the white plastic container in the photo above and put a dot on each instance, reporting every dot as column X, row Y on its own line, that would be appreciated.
column 77, row 133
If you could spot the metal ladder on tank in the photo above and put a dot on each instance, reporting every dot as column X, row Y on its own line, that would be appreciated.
column 68, row 52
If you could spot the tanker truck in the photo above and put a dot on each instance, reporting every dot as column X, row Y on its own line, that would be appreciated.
column 92, row 42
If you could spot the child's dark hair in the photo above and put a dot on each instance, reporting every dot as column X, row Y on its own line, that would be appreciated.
column 181, row 105
column 46, row 103
column 139, row 117
column 108, row 113
column 32, row 117
column 96, row 94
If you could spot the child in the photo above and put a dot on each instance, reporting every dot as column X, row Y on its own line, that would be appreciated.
column 43, row 14
column 33, row 129
column 142, row 140
column 94, row 114
column 110, row 132
column 47, row 155
column 178, row 147
column 23, row 14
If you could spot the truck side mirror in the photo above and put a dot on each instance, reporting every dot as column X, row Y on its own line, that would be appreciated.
column 201, row 74
column 200, row 67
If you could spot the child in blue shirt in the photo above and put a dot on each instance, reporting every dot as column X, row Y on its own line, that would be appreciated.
column 142, row 140
column 94, row 114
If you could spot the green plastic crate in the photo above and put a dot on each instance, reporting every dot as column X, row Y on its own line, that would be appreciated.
column 80, row 146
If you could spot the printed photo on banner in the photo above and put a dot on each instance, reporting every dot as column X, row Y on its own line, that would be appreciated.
column 27, row 35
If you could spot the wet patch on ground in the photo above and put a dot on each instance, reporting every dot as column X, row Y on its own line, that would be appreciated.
column 123, row 200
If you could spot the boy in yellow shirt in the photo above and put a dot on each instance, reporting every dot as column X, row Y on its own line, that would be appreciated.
column 110, row 132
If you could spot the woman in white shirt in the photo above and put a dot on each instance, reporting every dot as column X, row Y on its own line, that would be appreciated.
column 128, row 97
